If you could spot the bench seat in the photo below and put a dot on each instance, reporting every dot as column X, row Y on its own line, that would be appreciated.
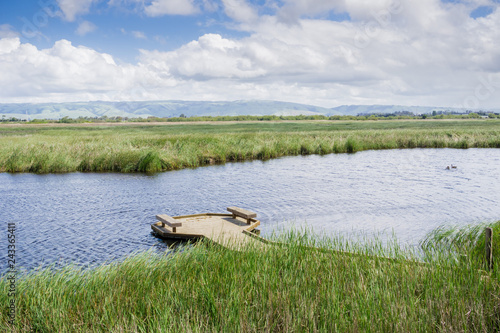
column 246, row 214
column 169, row 220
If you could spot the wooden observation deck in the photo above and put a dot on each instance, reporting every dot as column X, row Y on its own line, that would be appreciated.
column 229, row 230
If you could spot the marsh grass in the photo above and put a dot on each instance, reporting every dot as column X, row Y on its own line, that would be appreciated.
column 147, row 148
column 465, row 243
column 287, row 288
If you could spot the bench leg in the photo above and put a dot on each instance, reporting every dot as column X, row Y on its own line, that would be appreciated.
column 174, row 229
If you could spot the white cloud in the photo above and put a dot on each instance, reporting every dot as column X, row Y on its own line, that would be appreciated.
column 210, row 5
column 171, row 7
column 62, row 69
column 85, row 27
column 134, row 33
column 7, row 31
column 124, row 3
column 418, row 53
column 8, row 45
column 139, row 34
column 211, row 56
column 292, row 10
column 240, row 11
column 72, row 8
column 366, row 10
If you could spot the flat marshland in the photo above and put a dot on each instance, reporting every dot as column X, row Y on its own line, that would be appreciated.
column 345, row 287
column 162, row 147
column 288, row 288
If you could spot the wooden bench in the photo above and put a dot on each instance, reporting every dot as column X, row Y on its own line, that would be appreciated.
column 169, row 220
column 246, row 214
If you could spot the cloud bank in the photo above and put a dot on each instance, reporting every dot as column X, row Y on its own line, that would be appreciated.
column 386, row 52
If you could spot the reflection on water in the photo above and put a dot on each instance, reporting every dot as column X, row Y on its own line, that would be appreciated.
column 91, row 218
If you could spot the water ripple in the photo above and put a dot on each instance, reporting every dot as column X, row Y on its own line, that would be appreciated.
column 92, row 218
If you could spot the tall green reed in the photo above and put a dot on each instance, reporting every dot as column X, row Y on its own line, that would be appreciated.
column 163, row 148
column 466, row 243
column 290, row 287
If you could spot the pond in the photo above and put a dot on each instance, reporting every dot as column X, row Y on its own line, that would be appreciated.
column 91, row 218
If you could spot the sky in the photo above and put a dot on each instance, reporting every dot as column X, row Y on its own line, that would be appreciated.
column 320, row 52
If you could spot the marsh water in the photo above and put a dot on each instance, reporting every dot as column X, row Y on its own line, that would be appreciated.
column 89, row 218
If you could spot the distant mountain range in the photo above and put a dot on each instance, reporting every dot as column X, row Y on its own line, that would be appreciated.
column 195, row 108
column 158, row 109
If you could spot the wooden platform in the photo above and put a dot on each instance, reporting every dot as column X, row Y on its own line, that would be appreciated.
column 224, row 229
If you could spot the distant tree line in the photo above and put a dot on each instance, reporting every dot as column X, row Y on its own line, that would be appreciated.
column 183, row 118
column 4, row 118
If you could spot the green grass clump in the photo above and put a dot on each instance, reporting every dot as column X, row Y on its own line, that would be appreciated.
column 466, row 243
column 150, row 162
column 287, row 288
column 155, row 148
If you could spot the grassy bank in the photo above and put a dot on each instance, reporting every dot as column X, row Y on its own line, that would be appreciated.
column 284, row 289
column 154, row 148
column 459, row 242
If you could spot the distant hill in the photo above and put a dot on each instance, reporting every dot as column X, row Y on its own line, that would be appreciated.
column 198, row 108
column 158, row 109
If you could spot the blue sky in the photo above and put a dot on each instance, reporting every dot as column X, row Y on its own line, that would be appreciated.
column 117, row 30
column 123, row 28
column 321, row 52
